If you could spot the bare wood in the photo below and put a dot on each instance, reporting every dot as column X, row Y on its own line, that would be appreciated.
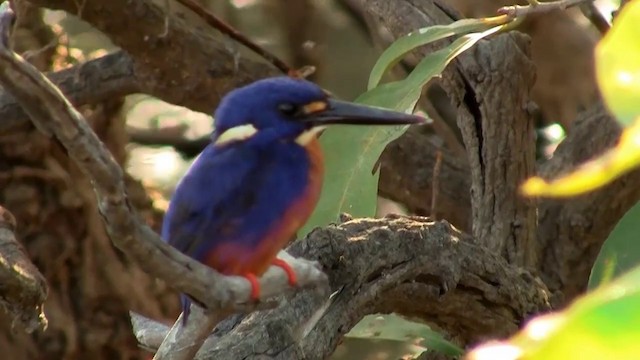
column 201, row 69
column 24, row 289
column 90, row 82
column 411, row 266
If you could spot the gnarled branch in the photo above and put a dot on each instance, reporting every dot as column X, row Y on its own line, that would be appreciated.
column 411, row 266
column 24, row 289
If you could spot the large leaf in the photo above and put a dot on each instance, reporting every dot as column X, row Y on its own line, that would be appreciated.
column 424, row 36
column 620, row 252
column 602, row 325
column 352, row 151
column 617, row 65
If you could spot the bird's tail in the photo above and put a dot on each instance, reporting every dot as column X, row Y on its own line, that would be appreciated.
column 186, row 308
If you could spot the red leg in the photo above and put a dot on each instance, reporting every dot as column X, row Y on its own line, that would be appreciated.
column 255, row 286
column 291, row 275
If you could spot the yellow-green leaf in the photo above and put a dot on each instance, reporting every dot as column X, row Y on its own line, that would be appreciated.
column 595, row 173
column 618, row 65
column 602, row 325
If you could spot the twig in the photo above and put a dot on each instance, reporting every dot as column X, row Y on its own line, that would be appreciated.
column 184, row 342
column 225, row 28
column 517, row 11
column 435, row 184
column 592, row 13
column 24, row 289
column 170, row 136
column 52, row 113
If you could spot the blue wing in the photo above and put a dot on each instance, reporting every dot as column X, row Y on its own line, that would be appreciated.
column 234, row 195
column 199, row 202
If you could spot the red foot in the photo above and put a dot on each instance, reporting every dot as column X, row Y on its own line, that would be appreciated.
column 291, row 275
column 255, row 286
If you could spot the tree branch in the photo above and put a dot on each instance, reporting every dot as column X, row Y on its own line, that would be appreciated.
column 515, row 11
column 53, row 114
column 90, row 82
column 24, row 289
column 200, row 70
column 225, row 28
column 411, row 266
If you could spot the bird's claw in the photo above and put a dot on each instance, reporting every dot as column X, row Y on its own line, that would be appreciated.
column 255, row 286
column 291, row 275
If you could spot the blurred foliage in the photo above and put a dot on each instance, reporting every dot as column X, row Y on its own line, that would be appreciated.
column 603, row 325
column 405, row 339
column 618, row 73
column 620, row 252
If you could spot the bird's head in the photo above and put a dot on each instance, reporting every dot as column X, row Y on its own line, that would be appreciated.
column 290, row 109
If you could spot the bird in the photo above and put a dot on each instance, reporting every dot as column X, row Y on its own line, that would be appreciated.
column 256, row 183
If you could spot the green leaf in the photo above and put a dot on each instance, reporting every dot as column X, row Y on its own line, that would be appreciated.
column 604, row 324
column 424, row 36
column 393, row 327
column 620, row 252
column 352, row 151
column 617, row 65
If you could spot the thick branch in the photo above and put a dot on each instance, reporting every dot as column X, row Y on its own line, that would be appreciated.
column 413, row 267
column 23, row 289
column 91, row 82
column 185, row 65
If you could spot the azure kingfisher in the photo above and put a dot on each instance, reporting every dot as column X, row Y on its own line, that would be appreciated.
column 250, row 190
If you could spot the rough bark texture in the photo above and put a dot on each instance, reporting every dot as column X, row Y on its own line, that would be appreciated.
column 411, row 266
column 201, row 69
column 407, row 174
column 570, row 231
column 92, row 287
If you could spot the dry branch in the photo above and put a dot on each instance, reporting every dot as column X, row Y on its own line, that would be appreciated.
column 184, row 64
column 23, row 289
column 90, row 82
column 411, row 266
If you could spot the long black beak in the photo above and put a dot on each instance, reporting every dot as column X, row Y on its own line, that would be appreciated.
column 342, row 112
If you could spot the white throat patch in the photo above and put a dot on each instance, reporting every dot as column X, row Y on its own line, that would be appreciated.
column 238, row 133
column 304, row 138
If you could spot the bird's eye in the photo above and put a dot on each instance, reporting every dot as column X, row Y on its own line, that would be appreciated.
column 288, row 109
